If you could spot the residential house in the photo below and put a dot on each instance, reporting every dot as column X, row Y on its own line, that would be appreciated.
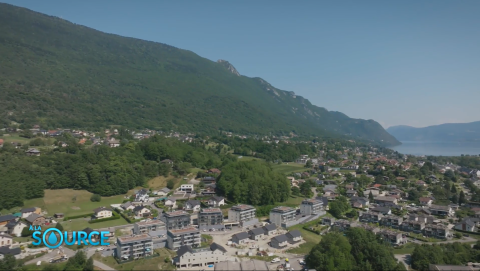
column 294, row 236
column 6, row 240
column 209, row 180
column 188, row 257
column 214, row 171
column 384, row 210
column 141, row 211
column 58, row 215
column 359, row 202
column 467, row 224
column 438, row 231
column 270, row 229
column 10, row 251
column 216, row 201
column 256, row 234
column 282, row 215
column 26, row 212
column 375, row 192
column 102, row 212
column 142, row 195
column 171, row 202
column 370, row 217
column 441, row 210
column 4, row 219
column 425, row 201
column 167, row 161
column 421, row 183
column 33, row 152
column 412, row 225
column 240, row 238
column 394, row 238
column 342, row 224
column 127, row 206
column 36, row 220
column 279, row 241
column 189, row 236
column 192, row 205
column 163, row 192
column 385, row 201
column 352, row 193
column 328, row 221
column 113, row 143
column 187, row 188
column 15, row 227
column 391, row 221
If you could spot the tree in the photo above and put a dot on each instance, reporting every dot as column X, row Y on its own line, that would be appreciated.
column 370, row 197
column 10, row 263
column 170, row 184
column 95, row 198
column 454, row 189
column 26, row 232
column 454, row 199
column 309, row 164
column 89, row 265
column 461, row 198
column 59, row 227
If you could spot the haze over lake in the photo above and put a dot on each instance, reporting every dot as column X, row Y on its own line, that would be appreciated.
column 438, row 148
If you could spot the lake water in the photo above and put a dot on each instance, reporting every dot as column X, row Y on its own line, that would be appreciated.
column 438, row 148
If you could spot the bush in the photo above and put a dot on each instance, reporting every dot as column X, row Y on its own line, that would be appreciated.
column 458, row 235
column 170, row 184
column 96, row 198
column 26, row 232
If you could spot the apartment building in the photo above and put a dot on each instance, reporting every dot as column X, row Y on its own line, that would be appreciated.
column 391, row 221
column 133, row 247
column 394, row 238
column 311, row 207
column 412, row 225
column 188, row 257
column 176, row 220
column 148, row 226
column 245, row 214
column 372, row 217
column 442, row 210
column 210, row 218
column 281, row 215
column 189, row 236
column 438, row 231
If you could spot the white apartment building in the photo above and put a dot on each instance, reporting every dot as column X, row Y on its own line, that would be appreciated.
column 133, row 247
column 189, row 236
column 311, row 207
column 245, row 214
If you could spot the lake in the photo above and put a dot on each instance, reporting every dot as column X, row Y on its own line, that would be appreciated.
column 438, row 148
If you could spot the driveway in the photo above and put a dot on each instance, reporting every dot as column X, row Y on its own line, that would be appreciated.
column 405, row 259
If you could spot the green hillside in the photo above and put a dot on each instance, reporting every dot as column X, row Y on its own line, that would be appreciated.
column 59, row 74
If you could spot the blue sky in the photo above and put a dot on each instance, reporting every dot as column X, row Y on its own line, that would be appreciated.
column 398, row 62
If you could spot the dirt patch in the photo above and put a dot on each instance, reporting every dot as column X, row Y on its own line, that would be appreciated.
column 75, row 208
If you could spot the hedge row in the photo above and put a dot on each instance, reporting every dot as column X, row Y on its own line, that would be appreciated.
column 310, row 230
column 78, row 216
column 468, row 232
column 114, row 217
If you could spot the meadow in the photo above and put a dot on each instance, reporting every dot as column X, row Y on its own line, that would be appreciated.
column 287, row 168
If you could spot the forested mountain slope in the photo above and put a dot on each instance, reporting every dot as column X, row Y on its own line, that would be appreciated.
column 59, row 74
column 443, row 132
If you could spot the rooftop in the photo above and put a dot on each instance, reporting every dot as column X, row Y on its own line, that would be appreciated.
column 151, row 222
column 282, row 209
column 139, row 237
column 176, row 213
column 242, row 207
column 184, row 230
column 211, row 210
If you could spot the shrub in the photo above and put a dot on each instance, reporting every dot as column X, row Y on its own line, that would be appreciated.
column 26, row 232
column 96, row 198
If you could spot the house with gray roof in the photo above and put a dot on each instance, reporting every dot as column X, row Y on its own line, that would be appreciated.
column 256, row 233
column 279, row 241
column 294, row 236
column 270, row 229
column 240, row 238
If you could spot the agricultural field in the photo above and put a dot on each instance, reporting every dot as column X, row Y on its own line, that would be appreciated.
column 288, row 168
column 82, row 223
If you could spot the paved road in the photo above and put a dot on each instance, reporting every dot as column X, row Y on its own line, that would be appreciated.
column 102, row 266
column 405, row 259
column 53, row 253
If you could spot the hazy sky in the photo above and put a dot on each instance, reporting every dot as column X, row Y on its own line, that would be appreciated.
column 397, row 62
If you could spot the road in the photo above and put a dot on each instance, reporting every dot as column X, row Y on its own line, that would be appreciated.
column 464, row 240
column 102, row 266
column 405, row 259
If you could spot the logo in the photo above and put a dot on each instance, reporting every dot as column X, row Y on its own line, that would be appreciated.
column 53, row 237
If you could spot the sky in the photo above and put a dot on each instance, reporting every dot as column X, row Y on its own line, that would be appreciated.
column 405, row 62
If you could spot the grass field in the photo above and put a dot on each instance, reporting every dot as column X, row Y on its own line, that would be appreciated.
column 82, row 223
column 293, row 200
column 157, row 263
column 249, row 158
column 287, row 168
column 311, row 239
column 23, row 140
column 405, row 249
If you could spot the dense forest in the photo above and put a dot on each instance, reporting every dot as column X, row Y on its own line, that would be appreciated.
column 253, row 182
column 358, row 249
column 60, row 74
column 98, row 169
column 454, row 254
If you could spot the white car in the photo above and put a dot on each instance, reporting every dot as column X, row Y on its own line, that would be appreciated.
column 100, row 249
column 276, row 260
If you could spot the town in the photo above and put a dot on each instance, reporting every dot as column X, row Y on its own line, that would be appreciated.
column 190, row 225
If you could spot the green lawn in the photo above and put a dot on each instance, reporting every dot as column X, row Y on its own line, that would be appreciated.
column 249, row 158
column 405, row 249
column 293, row 200
column 81, row 223
column 287, row 168
column 156, row 263
column 311, row 239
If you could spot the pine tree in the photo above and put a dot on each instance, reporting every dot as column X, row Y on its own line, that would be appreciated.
column 462, row 199
column 59, row 227
column 88, row 265
column 370, row 196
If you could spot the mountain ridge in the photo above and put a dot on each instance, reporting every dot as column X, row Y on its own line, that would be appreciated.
column 443, row 132
column 60, row 74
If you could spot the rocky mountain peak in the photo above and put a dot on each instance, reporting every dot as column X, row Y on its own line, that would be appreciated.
column 228, row 66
